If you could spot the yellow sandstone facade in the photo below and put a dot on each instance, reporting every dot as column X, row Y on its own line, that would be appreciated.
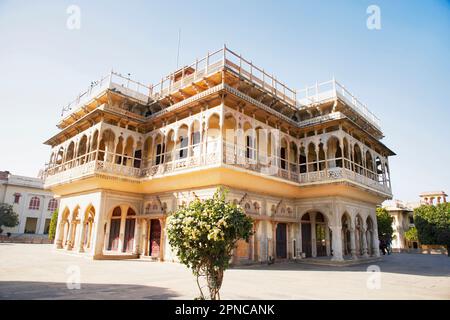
column 308, row 166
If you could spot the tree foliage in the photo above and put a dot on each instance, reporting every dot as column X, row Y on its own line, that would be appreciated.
column 204, row 234
column 433, row 224
column 53, row 224
column 411, row 234
column 384, row 222
column 8, row 218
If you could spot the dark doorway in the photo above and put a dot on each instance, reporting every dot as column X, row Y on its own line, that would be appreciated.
column 321, row 246
column 281, row 241
column 306, row 239
column 129, row 235
column 114, row 234
column 155, row 238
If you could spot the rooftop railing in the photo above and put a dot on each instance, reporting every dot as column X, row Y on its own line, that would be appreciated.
column 210, row 64
column 331, row 90
column 113, row 81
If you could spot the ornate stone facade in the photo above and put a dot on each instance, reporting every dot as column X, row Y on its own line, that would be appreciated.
column 307, row 166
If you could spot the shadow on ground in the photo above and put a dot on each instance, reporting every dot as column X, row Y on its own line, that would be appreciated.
column 20, row 290
column 403, row 263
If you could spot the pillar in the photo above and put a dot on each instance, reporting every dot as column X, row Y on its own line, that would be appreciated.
column 70, row 236
column 312, row 216
column 337, row 243
column 137, row 236
column 299, row 242
column 353, row 243
column 82, row 235
column 255, row 241
column 123, row 221
column 364, row 242
column 162, row 222
column 375, row 243
column 274, row 239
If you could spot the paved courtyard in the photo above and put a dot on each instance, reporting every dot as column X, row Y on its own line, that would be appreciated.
column 36, row 271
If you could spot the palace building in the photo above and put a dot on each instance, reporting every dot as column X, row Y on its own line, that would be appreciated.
column 307, row 165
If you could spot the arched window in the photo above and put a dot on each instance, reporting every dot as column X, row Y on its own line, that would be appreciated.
column 16, row 197
column 52, row 205
column 34, row 203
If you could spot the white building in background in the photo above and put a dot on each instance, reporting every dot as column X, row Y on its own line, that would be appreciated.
column 30, row 201
column 403, row 214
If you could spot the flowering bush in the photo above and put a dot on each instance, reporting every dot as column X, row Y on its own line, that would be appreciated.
column 204, row 234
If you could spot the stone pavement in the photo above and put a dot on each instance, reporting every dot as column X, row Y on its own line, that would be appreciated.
column 36, row 271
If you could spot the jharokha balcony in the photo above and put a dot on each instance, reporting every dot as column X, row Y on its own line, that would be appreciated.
column 313, row 168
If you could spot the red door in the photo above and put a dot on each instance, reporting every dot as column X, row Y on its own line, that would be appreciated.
column 155, row 237
column 129, row 235
column 114, row 234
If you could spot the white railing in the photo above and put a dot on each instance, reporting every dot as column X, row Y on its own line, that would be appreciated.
column 113, row 81
column 216, row 61
column 233, row 155
column 331, row 90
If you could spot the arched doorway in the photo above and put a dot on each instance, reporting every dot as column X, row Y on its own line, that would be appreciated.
column 281, row 241
column 321, row 237
column 114, row 229
column 306, row 235
column 155, row 238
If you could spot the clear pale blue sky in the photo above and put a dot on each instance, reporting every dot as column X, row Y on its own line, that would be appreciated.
column 401, row 71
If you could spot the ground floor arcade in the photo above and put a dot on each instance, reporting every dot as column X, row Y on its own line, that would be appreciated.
column 107, row 224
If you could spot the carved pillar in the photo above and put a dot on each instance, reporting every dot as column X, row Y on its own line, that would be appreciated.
column 83, row 235
column 70, row 235
column 274, row 239
column 313, row 234
column 365, row 253
column 123, row 221
column 336, row 235
column 162, row 222
column 255, row 241
column 353, row 243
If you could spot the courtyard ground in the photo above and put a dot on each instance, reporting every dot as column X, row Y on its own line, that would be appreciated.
column 36, row 271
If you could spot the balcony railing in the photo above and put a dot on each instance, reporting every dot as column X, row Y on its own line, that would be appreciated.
column 331, row 90
column 113, row 81
column 213, row 153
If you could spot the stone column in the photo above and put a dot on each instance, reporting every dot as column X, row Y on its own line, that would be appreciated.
column 255, row 241
column 364, row 243
column 123, row 221
column 162, row 222
column 137, row 236
column 312, row 216
column 70, row 235
column 375, row 244
column 353, row 243
column 337, row 243
column 82, row 236
column 299, row 243
column 274, row 239
column 327, row 240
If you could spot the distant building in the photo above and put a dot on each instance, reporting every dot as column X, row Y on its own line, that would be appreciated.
column 430, row 196
column 30, row 201
column 403, row 213
column 403, row 220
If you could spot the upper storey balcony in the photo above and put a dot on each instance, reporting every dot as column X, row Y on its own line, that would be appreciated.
column 202, row 141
